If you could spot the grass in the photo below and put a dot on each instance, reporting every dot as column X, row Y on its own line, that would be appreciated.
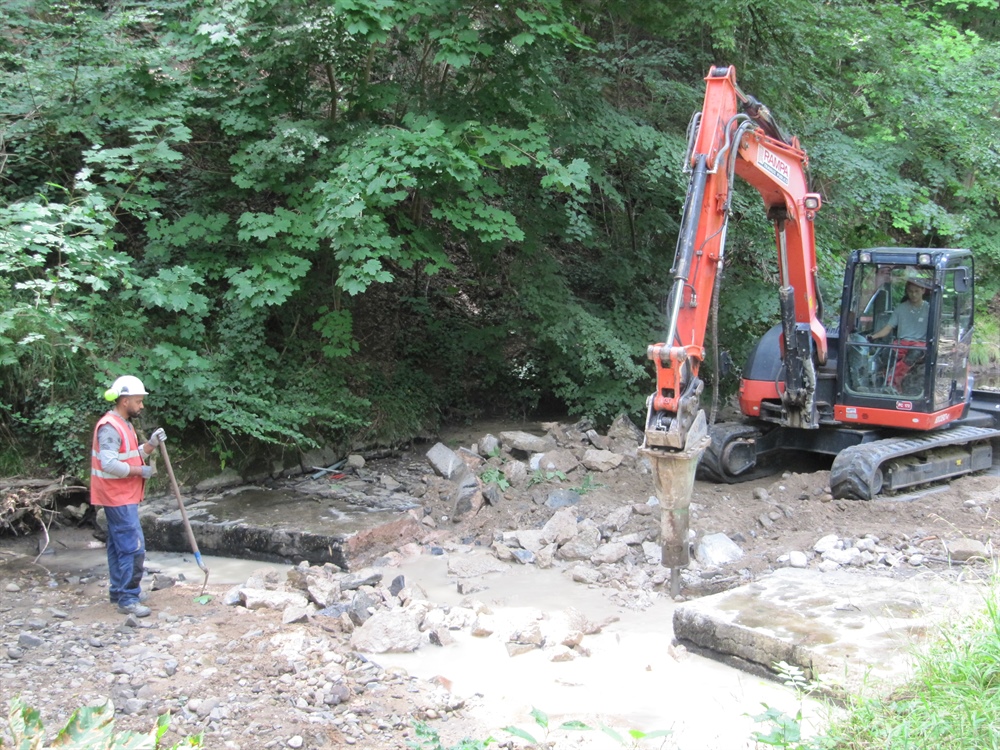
column 952, row 701
column 985, row 350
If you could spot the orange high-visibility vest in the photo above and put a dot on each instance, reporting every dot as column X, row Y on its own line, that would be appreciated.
column 104, row 488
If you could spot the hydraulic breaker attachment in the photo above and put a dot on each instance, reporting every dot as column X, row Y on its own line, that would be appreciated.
column 673, row 477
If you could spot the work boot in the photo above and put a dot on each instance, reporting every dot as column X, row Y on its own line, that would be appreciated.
column 143, row 596
column 136, row 608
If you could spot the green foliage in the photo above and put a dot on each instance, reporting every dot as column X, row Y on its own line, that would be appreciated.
column 583, row 357
column 55, row 423
column 539, row 476
column 309, row 222
column 588, row 485
column 89, row 728
column 542, row 721
column 429, row 739
column 786, row 731
column 401, row 404
column 951, row 700
column 753, row 311
column 985, row 349
column 493, row 475
column 57, row 262
column 634, row 739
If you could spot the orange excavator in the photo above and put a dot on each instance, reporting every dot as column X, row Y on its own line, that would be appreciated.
column 886, row 391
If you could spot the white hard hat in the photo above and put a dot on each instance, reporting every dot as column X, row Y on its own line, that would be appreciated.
column 126, row 385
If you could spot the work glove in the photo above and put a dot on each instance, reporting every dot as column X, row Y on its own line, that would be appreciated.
column 158, row 436
column 148, row 471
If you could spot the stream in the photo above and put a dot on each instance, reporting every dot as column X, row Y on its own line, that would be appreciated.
column 635, row 678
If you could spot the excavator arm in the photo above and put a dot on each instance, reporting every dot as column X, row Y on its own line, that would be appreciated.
column 733, row 135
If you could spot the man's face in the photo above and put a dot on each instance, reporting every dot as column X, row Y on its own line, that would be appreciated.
column 132, row 405
column 913, row 293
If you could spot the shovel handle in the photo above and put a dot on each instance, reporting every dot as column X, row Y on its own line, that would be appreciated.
column 180, row 504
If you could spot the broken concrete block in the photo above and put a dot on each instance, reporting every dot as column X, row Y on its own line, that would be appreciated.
column 446, row 462
column 600, row 460
column 526, row 442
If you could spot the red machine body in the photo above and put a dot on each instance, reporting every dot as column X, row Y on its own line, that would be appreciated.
column 807, row 388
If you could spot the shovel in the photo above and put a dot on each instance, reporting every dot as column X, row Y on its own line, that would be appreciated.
column 184, row 516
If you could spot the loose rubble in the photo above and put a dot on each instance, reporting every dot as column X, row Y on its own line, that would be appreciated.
column 243, row 676
column 290, row 659
column 618, row 539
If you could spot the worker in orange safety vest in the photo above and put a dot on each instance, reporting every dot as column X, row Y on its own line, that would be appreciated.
column 118, row 474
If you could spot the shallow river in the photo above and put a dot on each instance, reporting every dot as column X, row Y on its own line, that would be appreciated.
column 634, row 679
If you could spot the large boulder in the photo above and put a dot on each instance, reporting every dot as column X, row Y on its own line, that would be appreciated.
column 714, row 550
column 446, row 462
column 467, row 498
column 516, row 473
column 624, row 429
column 517, row 440
column 611, row 552
column 583, row 545
column 560, row 460
column 965, row 549
column 264, row 599
column 560, row 528
column 389, row 631
column 600, row 460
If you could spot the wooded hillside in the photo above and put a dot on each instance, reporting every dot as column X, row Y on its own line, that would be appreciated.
column 347, row 220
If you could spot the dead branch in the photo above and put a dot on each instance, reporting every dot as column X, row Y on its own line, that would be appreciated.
column 25, row 502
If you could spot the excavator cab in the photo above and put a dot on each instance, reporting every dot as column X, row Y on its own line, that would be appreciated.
column 905, row 332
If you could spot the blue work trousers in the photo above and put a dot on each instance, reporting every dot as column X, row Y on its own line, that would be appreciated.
column 126, row 553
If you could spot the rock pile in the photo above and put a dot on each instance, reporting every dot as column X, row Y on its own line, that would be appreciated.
column 617, row 545
column 831, row 552
column 517, row 461
column 378, row 618
column 240, row 675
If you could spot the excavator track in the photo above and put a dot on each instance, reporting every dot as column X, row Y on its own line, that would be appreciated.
column 863, row 471
column 716, row 462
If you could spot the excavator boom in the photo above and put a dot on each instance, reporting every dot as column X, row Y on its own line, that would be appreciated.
column 732, row 135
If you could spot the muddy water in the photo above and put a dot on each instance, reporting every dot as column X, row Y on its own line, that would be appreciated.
column 76, row 552
column 634, row 679
column 298, row 512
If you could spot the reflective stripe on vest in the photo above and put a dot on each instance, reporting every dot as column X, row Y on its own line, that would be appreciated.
column 106, row 489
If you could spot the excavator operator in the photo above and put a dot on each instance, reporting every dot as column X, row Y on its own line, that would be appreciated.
column 909, row 319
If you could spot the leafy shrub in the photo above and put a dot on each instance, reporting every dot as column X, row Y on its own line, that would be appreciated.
column 89, row 728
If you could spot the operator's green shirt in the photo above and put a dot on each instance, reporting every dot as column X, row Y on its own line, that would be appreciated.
column 910, row 322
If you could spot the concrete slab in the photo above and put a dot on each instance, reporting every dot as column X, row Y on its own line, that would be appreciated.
column 852, row 628
column 283, row 527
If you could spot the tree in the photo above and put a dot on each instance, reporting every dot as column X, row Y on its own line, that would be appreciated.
column 310, row 222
